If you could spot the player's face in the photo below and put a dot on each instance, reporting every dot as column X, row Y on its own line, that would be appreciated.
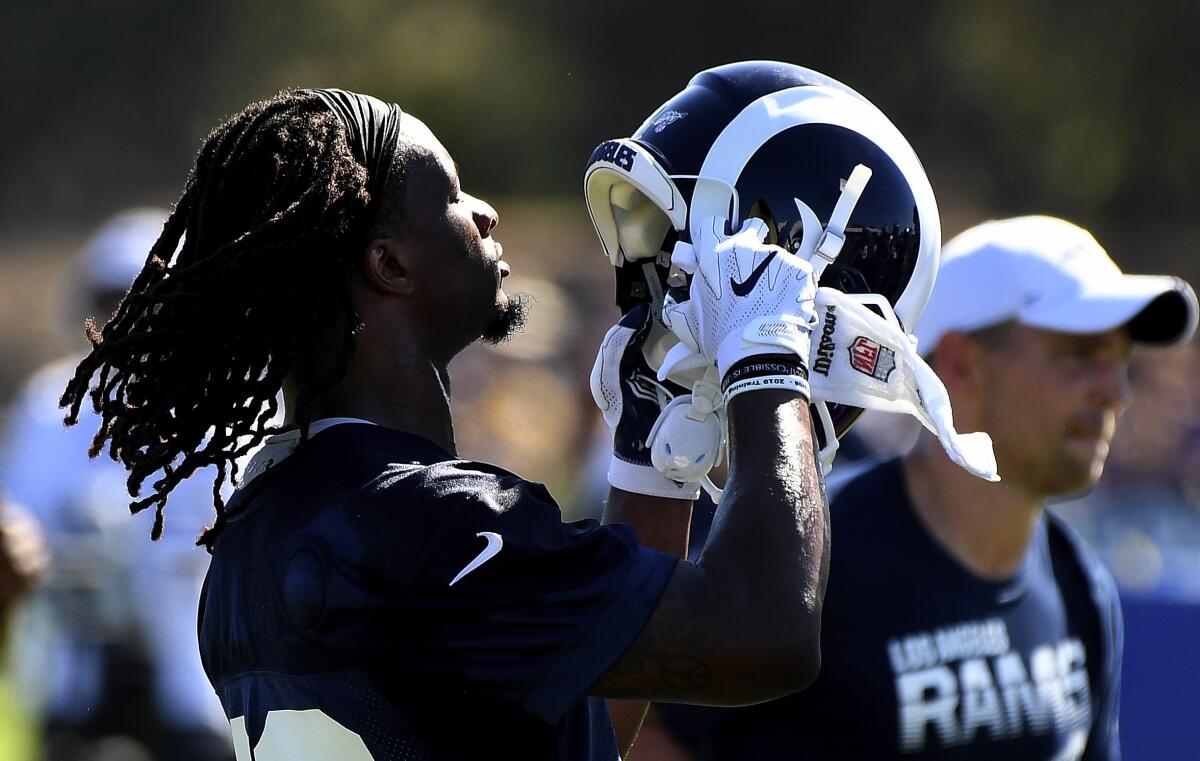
column 1051, row 402
column 462, row 270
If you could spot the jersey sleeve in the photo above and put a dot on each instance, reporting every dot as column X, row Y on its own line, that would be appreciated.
column 1104, row 742
column 508, row 603
column 1106, row 635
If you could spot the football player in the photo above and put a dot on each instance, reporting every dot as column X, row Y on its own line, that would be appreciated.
column 371, row 595
column 962, row 620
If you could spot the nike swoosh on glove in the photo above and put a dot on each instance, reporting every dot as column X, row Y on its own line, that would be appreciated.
column 747, row 298
column 627, row 392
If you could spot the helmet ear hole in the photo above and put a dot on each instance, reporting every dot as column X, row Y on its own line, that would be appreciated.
column 760, row 210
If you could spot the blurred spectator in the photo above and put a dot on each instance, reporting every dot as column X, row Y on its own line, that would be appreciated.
column 23, row 559
column 23, row 562
column 108, row 658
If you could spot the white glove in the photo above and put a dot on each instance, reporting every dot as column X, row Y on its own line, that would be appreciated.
column 748, row 300
column 624, row 388
column 865, row 360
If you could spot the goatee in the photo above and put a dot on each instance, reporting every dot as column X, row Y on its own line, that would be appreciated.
column 509, row 321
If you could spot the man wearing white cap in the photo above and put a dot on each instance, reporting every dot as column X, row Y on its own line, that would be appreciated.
column 962, row 621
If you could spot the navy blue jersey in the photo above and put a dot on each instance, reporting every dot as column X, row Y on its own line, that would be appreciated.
column 373, row 598
column 922, row 659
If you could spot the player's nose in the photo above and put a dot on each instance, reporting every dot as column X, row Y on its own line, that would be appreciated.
column 485, row 217
column 1110, row 386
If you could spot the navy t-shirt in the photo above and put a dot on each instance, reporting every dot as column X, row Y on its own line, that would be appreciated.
column 371, row 597
column 922, row 659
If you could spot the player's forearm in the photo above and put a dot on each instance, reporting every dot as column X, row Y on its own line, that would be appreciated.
column 662, row 524
column 743, row 624
column 769, row 545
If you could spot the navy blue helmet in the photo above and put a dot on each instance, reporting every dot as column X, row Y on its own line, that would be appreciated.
column 778, row 142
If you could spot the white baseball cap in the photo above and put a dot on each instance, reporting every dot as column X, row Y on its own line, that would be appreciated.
column 1048, row 273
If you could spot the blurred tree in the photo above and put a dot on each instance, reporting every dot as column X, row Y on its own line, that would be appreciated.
column 1082, row 110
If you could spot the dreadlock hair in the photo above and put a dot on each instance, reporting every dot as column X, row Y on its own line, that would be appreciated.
column 188, row 369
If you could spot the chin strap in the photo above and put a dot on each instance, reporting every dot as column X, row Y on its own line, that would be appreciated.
column 650, row 273
column 688, row 439
column 829, row 245
column 828, row 452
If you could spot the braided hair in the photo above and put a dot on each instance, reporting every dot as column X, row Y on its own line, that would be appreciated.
column 188, row 369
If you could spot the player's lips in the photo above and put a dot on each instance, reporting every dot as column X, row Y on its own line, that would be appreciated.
column 501, row 266
column 1089, row 440
column 1091, row 428
column 1088, row 445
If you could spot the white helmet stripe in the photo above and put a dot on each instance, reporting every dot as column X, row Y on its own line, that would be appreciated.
column 772, row 114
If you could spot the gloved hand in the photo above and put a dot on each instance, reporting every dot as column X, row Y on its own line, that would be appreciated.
column 628, row 393
column 749, row 309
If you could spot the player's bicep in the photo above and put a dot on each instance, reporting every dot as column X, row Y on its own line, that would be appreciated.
column 672, row 656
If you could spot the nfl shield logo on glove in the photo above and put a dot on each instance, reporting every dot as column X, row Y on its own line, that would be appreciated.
column 871, row 358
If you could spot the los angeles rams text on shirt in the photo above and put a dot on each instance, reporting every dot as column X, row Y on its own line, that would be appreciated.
column 924, row 660
column 954, row 683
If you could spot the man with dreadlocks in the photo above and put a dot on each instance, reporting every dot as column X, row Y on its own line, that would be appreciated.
column 370, row 594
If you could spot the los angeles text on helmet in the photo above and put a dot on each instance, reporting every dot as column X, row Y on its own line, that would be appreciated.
column 613, row 152
column 825, row 347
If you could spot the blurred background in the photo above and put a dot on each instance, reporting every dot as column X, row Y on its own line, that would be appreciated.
column 1083, row 110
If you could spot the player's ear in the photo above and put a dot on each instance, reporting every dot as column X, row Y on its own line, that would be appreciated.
column 958, row 361
column 387, row 267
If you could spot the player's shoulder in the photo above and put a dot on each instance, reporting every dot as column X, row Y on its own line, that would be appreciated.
column 469, row 480
column 375, row 462
column 1068, row 547
column 458, row 483
column 380, row 496
column 394, row 478
column 1091, row 585
column 355, row 473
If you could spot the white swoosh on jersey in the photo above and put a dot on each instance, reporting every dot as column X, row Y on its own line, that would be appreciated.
column 494, row 543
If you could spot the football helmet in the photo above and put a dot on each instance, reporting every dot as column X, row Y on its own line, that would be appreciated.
column 832, row 177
